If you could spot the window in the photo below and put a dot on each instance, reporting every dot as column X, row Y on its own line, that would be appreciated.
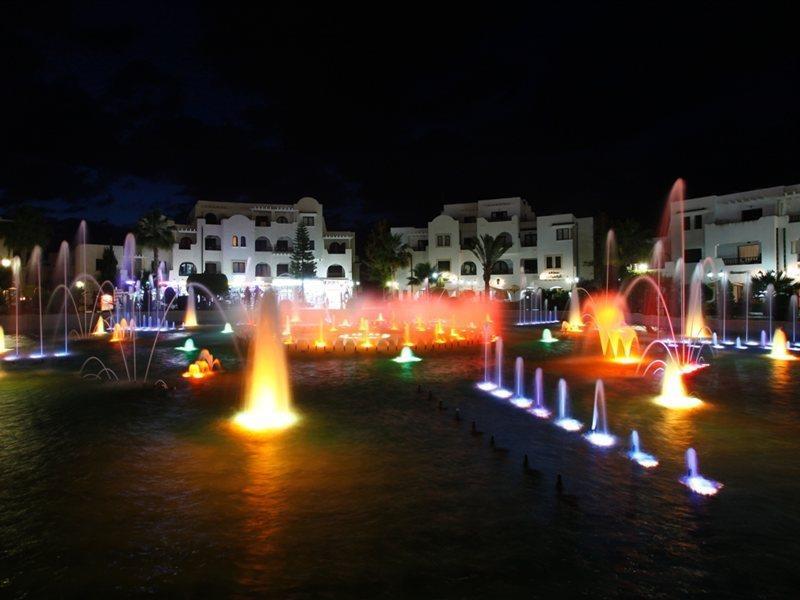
column 693, row 255
column 187, row 269
column 530, row 265
column 553, row 262
column 501, row 267
column 698, row 221
column 443, row 241
column 263, row 245
column 98, row 264
column 336, row 248
column 281, row 220
column 235, row 241
column 238, row 266
column 564, row 233
column 687, row 223
column 262, row 221
column 212, row 219
column 529, row 238
column 469, row 268
column 443, row 265
column 335, row 271
column 262, row 270
column 752, row 214
column 499, row 215
column 213, row 243
column 749, row 254
column 794, row 247
column 311, row 244
column 242, row 242
column 283, row 245
column 308, row 221
column 185, row 243
column 212, row 268
column 283, row 269
column 422, row 245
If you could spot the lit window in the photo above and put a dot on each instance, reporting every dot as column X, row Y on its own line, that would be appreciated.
column 235, row 241
column 238, row 266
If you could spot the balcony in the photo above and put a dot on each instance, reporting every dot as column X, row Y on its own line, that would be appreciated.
column 741, row 260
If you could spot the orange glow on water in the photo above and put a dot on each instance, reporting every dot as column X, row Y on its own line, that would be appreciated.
column 190, row 318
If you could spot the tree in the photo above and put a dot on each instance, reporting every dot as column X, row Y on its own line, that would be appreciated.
column 26, row 229
column 419, row 274
column 384, row 253
column 784, row 288
column 634, row 245
column 303, row 264
column 108, row 265
column 155, row 232
column 488, row 250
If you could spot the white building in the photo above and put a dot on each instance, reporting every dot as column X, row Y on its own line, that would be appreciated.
column 741, row 233
column 252, row 245
column 547, row 251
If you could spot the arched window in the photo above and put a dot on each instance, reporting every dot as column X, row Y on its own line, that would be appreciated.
column 262, row 221
column 469, row 268
column 187, row 269
column 212, row 219
column 242, row 242
column 505, row 238
column 336, row 248
column 284, row 244
column 281, row 220
column 335, row 271
column 263, row 245
column 213, row 243
column 185, row 243
column 262, row 270
column 501, row 267
column 235, row 241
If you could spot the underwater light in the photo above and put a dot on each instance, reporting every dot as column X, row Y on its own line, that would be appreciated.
column 600, row 439
column 406, row 356
column 502, row 393
column 254, row 420
column 569, row 424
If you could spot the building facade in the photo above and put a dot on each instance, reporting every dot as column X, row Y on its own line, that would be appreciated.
column 252, row 245
column 740, row 233
column 546, row 251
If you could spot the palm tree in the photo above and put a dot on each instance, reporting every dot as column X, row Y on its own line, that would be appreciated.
column 385, row 252
column 420, row 273
column 154, row 231
column 488, row 250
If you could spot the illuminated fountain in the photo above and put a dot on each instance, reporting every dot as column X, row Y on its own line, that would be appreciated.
column 320, row 341
column 188, row 346
column 539, row 409
column 564, row 420
column 547, row 336
column 574, row 323
column 780, row 349
column 287, row 332
column 694, row 480
column 598, row 435
column 673, row 392
column 267, row 399
column 695, row 326
column 487, row 384
column 227, row 328
column 190, row 318
column 519, row 398
column 648, row 461
column 499, row 391
column 739, row 344
column 616, row 336
column 99, row 328
column 438, row 333
column 406, row 356
column 407, row 335
column 3, row 348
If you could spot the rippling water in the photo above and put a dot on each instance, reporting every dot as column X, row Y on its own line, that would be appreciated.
column 114, row 489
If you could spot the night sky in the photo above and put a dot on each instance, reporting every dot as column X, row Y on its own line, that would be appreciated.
column 109, row 109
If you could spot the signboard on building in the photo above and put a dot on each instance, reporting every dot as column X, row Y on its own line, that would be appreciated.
column 551, row 274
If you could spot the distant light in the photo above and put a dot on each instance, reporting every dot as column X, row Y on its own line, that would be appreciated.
column 6, row 262
column 80, row 285
column 641, row 267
